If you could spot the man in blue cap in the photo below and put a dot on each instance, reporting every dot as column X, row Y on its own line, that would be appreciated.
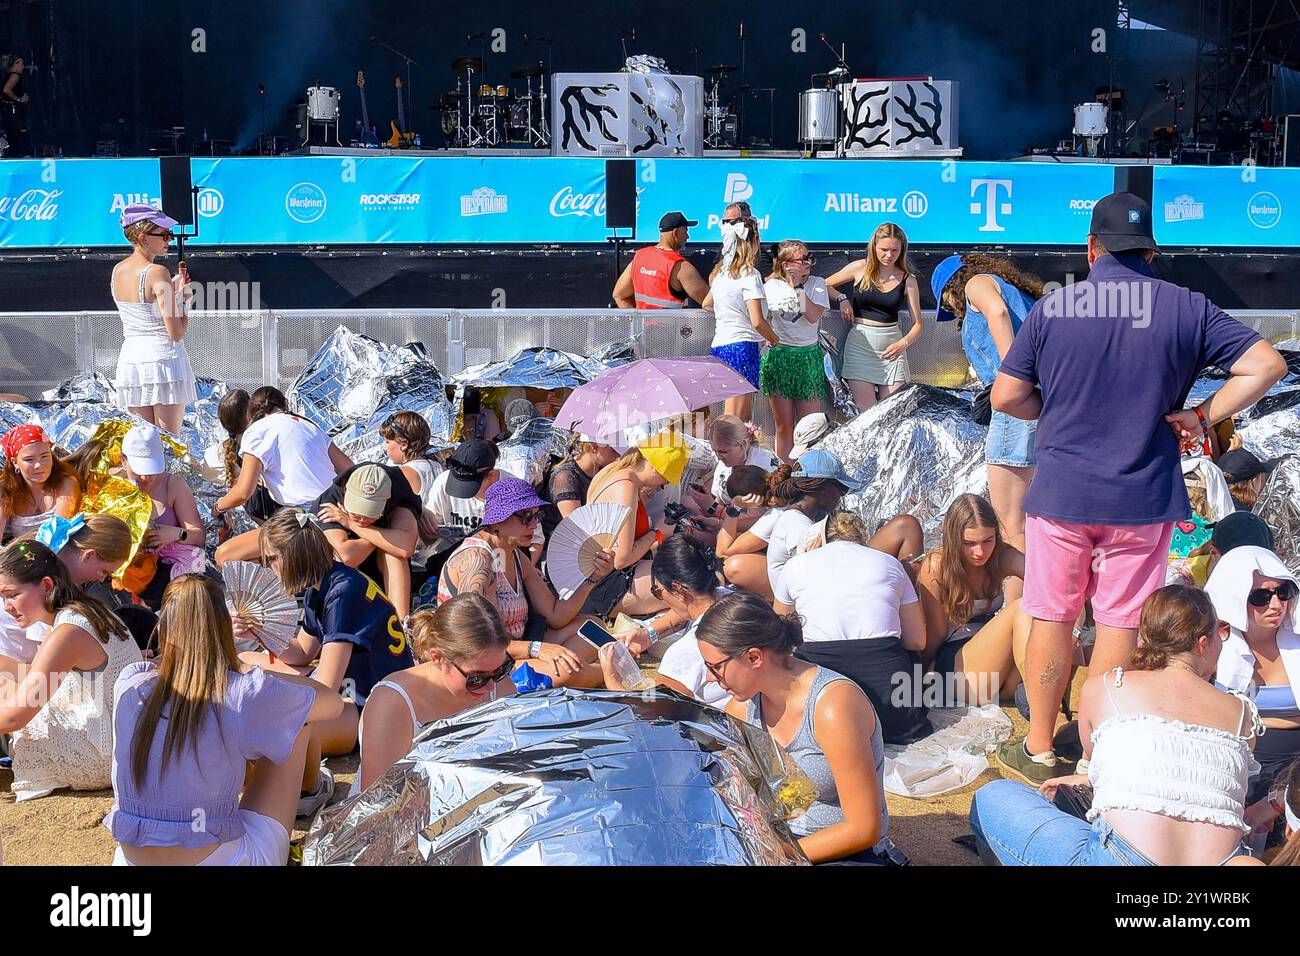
column 1105, row 365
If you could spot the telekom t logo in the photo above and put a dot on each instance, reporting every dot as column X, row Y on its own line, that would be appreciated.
column 991, row 206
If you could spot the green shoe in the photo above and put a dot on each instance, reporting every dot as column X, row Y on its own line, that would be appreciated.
column 1032, row 770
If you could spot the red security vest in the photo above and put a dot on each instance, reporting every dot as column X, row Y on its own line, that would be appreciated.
column 652, row 268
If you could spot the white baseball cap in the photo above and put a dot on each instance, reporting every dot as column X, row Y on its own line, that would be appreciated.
column 809, row 431
column 143, row 449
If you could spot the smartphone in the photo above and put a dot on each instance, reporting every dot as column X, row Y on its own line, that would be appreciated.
column 595, row 635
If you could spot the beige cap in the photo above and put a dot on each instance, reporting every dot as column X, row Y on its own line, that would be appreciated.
column 367, row 492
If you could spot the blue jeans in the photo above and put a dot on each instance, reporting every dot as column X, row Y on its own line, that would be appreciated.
column 1023, row 828
column 1010, row 441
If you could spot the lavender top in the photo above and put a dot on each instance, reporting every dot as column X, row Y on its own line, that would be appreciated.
column 195, row 801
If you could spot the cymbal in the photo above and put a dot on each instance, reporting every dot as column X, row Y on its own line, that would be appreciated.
column 464, row 64
column 721, row 69
column 525, row 72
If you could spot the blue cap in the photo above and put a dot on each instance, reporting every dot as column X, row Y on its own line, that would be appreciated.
column 819, row 463
column 938, row 279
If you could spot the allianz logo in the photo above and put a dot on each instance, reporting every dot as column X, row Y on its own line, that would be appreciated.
column 483, row 201
column 913, row 203
column 122, row 200
column 1183, row 208
column 34, row 205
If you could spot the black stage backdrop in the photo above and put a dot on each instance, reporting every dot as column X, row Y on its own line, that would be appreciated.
column 545, row 278
column 119, row 72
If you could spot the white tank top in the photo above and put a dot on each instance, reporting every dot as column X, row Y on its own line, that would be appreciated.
column 1183, row 771
column 145, row 334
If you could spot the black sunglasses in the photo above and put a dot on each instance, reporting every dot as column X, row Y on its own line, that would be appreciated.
column 478, row 679
column 1261, row 597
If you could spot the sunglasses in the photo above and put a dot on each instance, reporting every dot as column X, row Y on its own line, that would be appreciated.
column 1262, row 597
column 532, row 516
column 159, row 235
column 478, row 679
column 715, row 667
column 807, row 260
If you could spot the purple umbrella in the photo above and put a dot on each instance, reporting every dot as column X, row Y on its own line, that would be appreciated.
column 648, row 391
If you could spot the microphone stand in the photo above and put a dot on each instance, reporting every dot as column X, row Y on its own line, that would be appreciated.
column 261, row 133
column 410, row 98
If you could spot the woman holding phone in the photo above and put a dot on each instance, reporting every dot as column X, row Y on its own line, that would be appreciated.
column 154, row 376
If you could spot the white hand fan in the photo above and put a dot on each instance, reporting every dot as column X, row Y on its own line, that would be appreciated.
column 254, row 593
column 575, row 542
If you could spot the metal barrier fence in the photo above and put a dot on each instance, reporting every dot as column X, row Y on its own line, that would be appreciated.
column 40, row 350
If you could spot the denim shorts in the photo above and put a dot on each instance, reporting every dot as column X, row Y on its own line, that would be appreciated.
column 1010, row 442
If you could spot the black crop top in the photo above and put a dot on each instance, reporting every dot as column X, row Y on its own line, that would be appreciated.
column 877, row 306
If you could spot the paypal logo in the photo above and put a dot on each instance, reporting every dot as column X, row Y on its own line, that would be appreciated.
column 737, row 189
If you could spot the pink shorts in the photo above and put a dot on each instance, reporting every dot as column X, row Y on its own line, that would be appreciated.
column 1115, row 566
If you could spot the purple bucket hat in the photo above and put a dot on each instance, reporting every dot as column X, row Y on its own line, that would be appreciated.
column 507, row 496
column 143, row 212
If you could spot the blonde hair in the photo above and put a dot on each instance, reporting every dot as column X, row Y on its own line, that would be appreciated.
column 886, row 230
column 742, row 263
column 136, row 231
column 305, row 554
column 197, row 656
column 1245, row 492
column 1197, row 494
column 733, row 430
column 846, row 526
column 785, row 251
column 459, row 629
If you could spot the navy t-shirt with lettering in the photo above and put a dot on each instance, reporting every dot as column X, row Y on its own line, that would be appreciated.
column 349, row 606
column 1111, row 361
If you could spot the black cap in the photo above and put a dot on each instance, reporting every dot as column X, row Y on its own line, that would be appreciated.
column 1241, row 528
column 1240, row 465
column 675, row 220
column 469, row 465
column 1122, row 221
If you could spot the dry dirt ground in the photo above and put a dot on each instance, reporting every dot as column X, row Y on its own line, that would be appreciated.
column 66, row 829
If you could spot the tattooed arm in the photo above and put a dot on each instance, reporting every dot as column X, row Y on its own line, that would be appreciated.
column 472, row 569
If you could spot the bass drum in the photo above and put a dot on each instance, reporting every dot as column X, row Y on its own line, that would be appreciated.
column 819, row 115
column 517, row 122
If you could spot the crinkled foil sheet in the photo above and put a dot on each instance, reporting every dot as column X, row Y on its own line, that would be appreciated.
column 354, row 382
column 569, row 777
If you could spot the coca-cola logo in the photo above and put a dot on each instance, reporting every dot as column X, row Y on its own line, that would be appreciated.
column 35, row 205
column 566, row 202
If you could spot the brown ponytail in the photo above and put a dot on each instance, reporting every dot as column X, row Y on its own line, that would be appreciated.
column 1174, row 619
column 742, row 620
column 232, row 412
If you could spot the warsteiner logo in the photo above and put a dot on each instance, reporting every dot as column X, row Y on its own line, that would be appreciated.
column 305, row 202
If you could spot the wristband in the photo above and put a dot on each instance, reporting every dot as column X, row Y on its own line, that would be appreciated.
column 184, row 532
column 534, row 648
column 659, row 537
column 1205, row 431
column 649, row 629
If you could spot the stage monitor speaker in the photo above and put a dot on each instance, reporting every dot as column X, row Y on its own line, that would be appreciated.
column 1291, row 140
column 620, row 194
column 177, row 201
column 1135, row 179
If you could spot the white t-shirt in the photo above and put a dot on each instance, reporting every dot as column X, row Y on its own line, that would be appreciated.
column 684, row 663
column 460, row 514
column 845, row 592
column 783, row 540
column 783, row 312
column 731, row 322
column 762, row 457
column 294, row 453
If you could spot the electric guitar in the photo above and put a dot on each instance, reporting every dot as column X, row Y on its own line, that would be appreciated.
column 400, row 139
column 368, row 135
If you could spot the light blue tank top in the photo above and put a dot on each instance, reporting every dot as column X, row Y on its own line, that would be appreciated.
column 808, row 755
column 978, row 341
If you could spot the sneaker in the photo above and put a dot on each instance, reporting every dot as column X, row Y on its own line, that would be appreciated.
column 1032, row 769
column 310, row 804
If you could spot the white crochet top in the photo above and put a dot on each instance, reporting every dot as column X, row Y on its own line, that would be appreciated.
column 69, row 743
column 1179, row 770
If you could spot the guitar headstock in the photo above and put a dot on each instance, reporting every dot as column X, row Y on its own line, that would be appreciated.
column 361, row 79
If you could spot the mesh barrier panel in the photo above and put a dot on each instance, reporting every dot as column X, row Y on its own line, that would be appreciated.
column 40, row 350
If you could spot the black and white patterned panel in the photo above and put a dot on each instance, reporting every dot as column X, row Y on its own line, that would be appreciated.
column 907, row 115
column 589, row 114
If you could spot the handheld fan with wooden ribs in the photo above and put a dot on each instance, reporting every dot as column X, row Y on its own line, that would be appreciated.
column 578, row 539
column 255, row 594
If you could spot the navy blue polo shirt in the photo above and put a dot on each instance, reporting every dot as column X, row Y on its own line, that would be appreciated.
column 1113, row 355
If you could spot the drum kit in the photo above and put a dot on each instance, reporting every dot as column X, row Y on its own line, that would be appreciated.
column 483, row 115
column 721, row 128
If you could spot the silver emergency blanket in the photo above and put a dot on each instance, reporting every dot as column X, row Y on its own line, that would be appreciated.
column 917, row 451
column 354, row 382
column 545, row 368
column 1276, row 433
column 569, row 777
column 644, row 63
column 530, row 447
